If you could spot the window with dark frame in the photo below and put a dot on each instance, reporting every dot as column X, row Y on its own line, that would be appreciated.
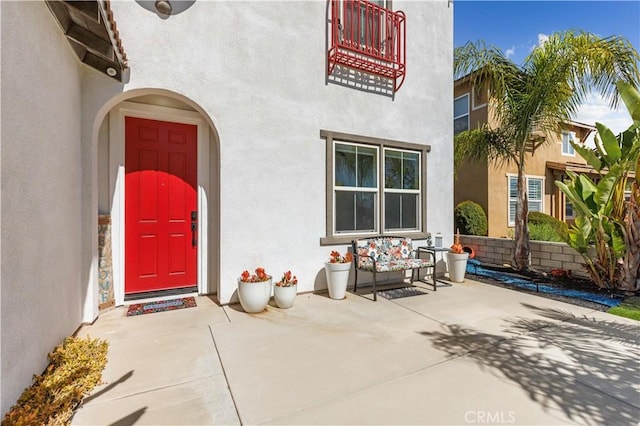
column 374, row 187
column 568, row 210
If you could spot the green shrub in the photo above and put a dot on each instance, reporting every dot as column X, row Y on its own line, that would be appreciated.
column 470, row 218
column 558, row 227
column 543, row 232
column 75, row 368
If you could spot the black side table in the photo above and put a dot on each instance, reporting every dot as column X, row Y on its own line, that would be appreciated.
column 435, row 250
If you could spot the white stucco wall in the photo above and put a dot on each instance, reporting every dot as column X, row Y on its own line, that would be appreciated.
column 257, row 69
column 41, row 237
column 256, row 72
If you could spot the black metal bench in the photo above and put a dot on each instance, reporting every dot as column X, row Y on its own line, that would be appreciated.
column 391, row 254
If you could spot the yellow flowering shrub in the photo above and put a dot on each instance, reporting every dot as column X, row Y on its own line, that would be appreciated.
column 75, row 368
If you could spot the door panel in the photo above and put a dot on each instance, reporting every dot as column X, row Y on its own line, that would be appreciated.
column 160, row 194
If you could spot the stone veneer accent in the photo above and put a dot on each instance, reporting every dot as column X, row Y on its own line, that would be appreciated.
column 544, row 255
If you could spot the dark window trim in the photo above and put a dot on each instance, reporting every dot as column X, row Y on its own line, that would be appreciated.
column 329, row 136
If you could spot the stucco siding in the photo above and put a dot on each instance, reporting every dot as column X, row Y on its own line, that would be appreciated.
column 257, row 69
column 536, row 167
column 471, row 176
column 487, row 184
column 255, row 72
column 41, row 190
column 470, row 184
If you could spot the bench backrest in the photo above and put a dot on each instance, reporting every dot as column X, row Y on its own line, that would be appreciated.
column 383, row 249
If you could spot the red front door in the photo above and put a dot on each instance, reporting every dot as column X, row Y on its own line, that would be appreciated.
column 160, row 198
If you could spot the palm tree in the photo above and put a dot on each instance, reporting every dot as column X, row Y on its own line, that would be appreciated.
column 539, row 95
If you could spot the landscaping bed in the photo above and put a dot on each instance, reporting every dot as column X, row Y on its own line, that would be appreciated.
column 575, row 290
column 75, row 368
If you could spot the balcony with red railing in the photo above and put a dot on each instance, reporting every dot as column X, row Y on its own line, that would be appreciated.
column 367, row 37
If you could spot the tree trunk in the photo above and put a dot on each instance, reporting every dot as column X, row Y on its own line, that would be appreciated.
column 521, row 252
column 631, row 259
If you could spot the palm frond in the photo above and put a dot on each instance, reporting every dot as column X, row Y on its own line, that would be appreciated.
column 483, row 144
column 487, row 68
column 583, row 61
column 545, row 92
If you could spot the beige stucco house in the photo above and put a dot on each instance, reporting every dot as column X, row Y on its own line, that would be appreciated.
column 217, row 136
column 494, row 187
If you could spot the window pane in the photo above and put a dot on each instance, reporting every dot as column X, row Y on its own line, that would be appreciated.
column 568, row 209
column 409, row 211
column 355, row 211
column 393, row 169
column 513, row 187
column 392, row 211
column 345, row 211
column 535, row 206
column 363, row 25
column 356, row 166
column 351, row 24
column 567, row 148
column 345, row 158
column 402, row 170
column 370, row 27
column 367, row 168
column 401, row 211
column 535, row 189
column 460, row 124
column 365, row 211
column 411, row 175
column 512, row 211
column 461, row 106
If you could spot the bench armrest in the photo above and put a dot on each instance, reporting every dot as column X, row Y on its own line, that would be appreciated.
column 430, row 254
column 356, row 259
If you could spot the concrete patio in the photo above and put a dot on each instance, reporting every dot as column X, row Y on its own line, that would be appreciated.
column 467, row 354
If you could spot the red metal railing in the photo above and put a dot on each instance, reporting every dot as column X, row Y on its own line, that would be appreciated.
column 369, row 38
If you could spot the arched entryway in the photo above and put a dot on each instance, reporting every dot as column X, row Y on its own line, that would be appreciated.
column 158, row 179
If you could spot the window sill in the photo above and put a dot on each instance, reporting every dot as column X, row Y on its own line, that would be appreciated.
column 346, row 239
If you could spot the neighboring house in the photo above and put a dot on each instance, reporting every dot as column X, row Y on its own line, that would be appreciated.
column 494, row 187
column 218, row 136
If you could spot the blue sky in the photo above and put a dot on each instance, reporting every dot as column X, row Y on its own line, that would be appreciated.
column 517, row 27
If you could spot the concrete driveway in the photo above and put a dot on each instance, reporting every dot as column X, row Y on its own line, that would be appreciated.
column 467, row 354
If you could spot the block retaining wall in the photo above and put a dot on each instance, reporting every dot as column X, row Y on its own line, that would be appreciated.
column 544, row 255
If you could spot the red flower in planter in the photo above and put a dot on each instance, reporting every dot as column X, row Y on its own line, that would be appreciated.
column 259, row 276
column 287, row 280
column 335, row 257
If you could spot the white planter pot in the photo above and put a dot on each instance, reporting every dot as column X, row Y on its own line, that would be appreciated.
column 337, row 279
column 457, row 264
column 254, row 297
column 284, row 296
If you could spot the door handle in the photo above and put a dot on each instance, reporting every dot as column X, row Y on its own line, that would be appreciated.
column 194, row 228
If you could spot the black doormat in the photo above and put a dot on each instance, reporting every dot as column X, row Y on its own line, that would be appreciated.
column 398, row 293
column 161, row 306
